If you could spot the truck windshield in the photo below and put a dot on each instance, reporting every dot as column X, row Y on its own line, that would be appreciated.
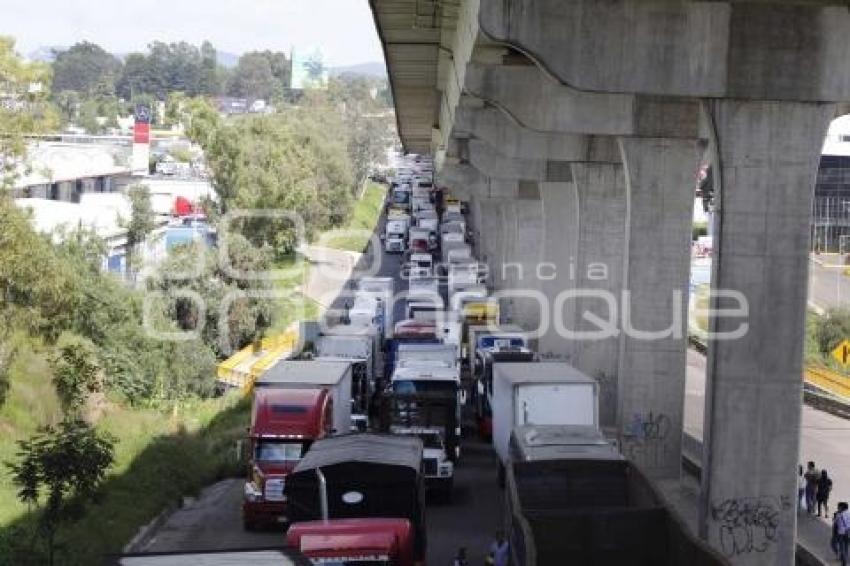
column 401, row 197
column 279, row 451
column 351, row 562
column 413, row 387
column 431, row 440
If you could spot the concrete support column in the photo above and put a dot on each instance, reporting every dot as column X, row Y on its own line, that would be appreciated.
column 766, row 163
column 560, row 252
column 523, row 232
column 660, row 176
column 599, row 271
column 489, row 237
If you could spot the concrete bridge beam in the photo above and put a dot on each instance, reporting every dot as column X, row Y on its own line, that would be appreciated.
column 496, row 128
column 690, row 49
column 539, row 103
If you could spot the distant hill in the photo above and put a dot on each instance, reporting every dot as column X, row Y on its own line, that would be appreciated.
column 45, row 54
column 375, row 69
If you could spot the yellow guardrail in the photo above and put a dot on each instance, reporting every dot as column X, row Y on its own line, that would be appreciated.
column 828, row 380
column 228, row 366
column 244, row 367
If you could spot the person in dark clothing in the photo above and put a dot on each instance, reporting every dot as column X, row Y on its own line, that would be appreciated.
column 812, row 475
column 842, row 531
column 823, row 490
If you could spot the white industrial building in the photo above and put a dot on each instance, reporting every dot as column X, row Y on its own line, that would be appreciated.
column 65, row 171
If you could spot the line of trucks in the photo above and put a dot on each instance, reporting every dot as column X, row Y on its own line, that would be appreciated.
column 351, row 435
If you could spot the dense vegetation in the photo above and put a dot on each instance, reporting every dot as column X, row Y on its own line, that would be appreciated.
column 84, row 377
column 355, row 235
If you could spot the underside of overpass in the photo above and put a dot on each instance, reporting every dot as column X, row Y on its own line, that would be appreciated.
column 576, row 129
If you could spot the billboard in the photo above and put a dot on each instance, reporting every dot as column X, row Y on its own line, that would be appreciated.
column 308, row 70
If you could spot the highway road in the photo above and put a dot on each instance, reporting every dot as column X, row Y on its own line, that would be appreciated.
column 824, row 437
column 828, row 286
column 213, row 521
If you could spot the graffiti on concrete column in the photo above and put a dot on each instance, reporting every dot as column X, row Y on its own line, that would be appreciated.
column 645, row 438
column 748, row 524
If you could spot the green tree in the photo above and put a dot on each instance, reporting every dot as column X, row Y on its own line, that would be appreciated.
column 831, row 329
column 201, row 120
column 174, row 108
column 7, row 357
column 59, row 470
column 28, row 300
column 210, row 79
column 24, row 108
column 254, row 77
column 367, row 120
column 171, row 67
column 245, row 318
column 86, row 68
column 294, row 162
column 137, row 76
column 141, row 222
column 76, row 372
column 68, row 104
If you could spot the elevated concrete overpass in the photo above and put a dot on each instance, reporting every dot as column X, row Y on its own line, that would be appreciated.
column 576, row 129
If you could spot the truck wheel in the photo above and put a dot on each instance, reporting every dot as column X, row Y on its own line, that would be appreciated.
column 249, row 525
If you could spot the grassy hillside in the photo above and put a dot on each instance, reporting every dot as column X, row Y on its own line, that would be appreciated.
column 161, row 454
column 291, row 278
column 355, row 236
column 32, row 403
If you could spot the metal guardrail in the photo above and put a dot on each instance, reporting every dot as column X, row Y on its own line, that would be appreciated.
column 828, row 380
column 824, row 379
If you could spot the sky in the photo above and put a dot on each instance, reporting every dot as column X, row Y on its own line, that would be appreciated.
column 342, row 29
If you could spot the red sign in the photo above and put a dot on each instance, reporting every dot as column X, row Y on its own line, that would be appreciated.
column 141, row 133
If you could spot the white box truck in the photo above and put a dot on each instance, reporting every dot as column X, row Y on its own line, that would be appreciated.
column 383, row 289
column 334, row 376
column 539, row 393
column 395, row 233
column 428, row 355
column 360, row 353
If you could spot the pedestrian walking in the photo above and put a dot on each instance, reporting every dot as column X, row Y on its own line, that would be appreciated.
column 842, row 531
column 823, row 491
column 812, row 475
column 801, row 489
column 460, row 557
column 499, row 550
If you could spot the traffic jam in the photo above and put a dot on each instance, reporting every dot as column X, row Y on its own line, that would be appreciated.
column 356, row 435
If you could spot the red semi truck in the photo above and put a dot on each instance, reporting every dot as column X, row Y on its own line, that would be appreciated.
column 382, row 542
column 284, row 423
